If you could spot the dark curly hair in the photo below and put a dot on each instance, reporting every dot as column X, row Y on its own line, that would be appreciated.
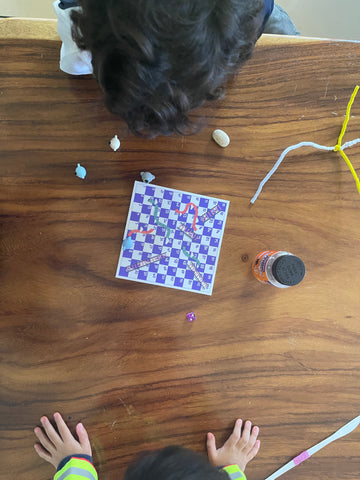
column 173, row 463
column 156, row 60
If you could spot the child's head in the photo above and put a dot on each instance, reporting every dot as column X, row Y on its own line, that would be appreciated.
column 158, row 59
column 173, row 463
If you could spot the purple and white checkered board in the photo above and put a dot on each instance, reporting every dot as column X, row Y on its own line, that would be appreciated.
column 183, row 249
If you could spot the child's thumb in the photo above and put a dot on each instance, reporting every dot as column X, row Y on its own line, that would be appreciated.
column 211, row 447
column 83, row 438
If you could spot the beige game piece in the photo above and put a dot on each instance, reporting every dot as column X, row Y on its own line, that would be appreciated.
column 221, row 138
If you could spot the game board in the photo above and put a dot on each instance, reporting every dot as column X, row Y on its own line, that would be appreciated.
column 172, row 238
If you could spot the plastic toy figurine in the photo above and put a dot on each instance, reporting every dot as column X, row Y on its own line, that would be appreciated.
column 115, row 143
column 128, row 243
column 147, row 177
column 80, row 171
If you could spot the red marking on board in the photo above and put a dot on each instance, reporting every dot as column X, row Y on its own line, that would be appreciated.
column 140, row 231
column 186, row 209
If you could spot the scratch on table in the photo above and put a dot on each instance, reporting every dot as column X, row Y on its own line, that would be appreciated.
column 326, row 90
column 128, row 410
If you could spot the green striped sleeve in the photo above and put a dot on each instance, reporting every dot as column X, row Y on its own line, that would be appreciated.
column 234, row 472
column 77, row 469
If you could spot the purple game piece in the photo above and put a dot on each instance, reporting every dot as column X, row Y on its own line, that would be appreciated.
column 191, row 316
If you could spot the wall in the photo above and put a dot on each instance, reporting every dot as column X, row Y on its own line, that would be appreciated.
column 315, row 18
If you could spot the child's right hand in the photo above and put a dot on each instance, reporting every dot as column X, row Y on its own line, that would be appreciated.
column 56, row 446
column 239, row 448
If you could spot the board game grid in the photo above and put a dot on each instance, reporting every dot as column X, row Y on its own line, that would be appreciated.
column 174, row 254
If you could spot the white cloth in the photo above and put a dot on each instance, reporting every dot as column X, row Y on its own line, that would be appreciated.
column 72, row 60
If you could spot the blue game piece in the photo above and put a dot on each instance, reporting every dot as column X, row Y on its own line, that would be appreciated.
column 128, row 243
column 80, row 171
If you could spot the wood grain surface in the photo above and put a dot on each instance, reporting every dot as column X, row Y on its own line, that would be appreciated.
column 121, row 356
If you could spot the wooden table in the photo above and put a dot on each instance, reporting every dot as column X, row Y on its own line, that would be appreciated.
column 121, row 356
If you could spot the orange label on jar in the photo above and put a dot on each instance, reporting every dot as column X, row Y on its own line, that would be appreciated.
column 259, row 265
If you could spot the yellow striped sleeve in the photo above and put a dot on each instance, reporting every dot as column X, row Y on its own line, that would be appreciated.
column 77, row 469
column 234, row 472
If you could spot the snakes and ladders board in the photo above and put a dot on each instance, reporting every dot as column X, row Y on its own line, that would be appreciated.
column 172, row 238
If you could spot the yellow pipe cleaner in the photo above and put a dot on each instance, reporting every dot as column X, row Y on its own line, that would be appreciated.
column 338, row 146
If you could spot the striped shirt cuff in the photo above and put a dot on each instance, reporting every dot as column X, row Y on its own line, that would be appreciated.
column 234, row 472
column 77, row 469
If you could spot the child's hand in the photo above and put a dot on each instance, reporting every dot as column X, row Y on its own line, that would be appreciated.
column 56, row 446
column 239, row 448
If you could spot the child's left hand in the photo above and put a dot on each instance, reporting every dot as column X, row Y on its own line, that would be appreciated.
column 56, row 446
column 239, row 448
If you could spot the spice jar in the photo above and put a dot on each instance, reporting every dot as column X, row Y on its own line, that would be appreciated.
column 279, row 268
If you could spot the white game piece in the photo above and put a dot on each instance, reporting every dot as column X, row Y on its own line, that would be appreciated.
column 115, row 143
column 221, row 138
column 80, row 171
column 147, row 177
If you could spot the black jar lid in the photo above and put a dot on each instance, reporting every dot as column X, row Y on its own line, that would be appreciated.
column 288, row 270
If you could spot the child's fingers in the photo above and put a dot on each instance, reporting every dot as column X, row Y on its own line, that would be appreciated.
column 63, row 428
column 42, row 452
column 236, row 433
column 50, row 430
column 254, row 450
column 211, row 446
column 83, row 438
column 44, row 440
column 246, row 431
column 253, row 437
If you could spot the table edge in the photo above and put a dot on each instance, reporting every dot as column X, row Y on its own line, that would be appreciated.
column 46, row 29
